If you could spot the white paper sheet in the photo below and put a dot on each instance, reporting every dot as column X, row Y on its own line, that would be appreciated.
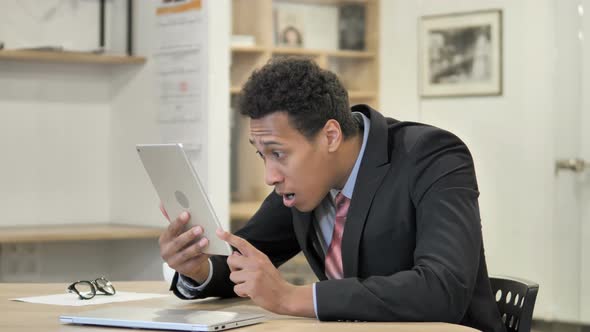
column 68, row 299
column 181, row 59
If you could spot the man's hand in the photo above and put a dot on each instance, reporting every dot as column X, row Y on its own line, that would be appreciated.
column 257, row 278
column 180, row 250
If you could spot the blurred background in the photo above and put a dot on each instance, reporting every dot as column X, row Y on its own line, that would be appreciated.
column 83, row 81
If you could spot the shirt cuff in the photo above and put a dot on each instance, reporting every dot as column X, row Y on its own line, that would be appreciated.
column 188, row 287
column 315, row 302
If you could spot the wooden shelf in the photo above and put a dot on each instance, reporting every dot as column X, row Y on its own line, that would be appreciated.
column 295, row 51
column 248, row 49
column 330, row 53
column 327, row 2
column 243, row 210
column 362, row 94
column 305, row 51
column 358, row 94
column 351, row 54
column 70, row 57
column 53, row 233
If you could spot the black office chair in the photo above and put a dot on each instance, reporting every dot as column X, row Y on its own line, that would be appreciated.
column 516, row 301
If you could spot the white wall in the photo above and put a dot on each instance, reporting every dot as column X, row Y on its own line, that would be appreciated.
column 510, row 136
column 33, row 23
column 68, row 135
column 218, row 186
column 55, row 119
column 133, row 121
column 69, row 131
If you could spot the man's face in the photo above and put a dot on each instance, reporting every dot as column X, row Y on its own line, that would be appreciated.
column 299, row 169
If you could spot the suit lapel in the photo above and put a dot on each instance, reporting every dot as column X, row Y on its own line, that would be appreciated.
column 373, row 168
column 304, row 231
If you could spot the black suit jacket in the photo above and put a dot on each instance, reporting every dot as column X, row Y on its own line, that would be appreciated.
column 412, row 245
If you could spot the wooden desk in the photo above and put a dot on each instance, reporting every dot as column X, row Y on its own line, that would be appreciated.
column 25, row 317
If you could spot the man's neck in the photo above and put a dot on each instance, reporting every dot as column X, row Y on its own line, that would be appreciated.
column 351, row 148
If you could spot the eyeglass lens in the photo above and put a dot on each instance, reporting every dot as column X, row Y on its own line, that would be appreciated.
column 84, row 289
column 104, row 286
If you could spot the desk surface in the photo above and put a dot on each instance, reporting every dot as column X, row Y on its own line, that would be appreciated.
column 25, row 317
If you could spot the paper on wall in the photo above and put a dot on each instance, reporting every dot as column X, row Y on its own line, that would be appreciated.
column 181, row 59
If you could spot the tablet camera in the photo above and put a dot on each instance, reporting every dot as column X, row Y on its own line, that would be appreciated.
column 181, row 199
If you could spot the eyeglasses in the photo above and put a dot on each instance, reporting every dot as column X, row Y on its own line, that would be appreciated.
column 88, row 289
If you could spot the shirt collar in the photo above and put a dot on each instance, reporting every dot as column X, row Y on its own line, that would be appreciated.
column 348, row 188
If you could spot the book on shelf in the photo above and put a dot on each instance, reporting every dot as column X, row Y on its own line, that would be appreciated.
column 351, row 27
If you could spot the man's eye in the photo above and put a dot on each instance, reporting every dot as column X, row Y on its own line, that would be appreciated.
column 277, row 154
column 260, row 154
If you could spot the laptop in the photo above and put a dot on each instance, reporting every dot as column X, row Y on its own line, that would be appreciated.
column 163, row 319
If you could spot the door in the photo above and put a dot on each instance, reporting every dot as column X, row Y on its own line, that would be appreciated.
column 571, row 237
column 584, row 153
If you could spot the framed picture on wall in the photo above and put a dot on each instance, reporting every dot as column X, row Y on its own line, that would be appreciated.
column 289, row 20
column 461, row 54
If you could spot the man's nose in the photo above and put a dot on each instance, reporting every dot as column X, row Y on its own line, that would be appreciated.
column 272, row 176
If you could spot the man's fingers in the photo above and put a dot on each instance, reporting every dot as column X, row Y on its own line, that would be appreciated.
column 175, row 227
column 163, row 210
column 190, row 252
column 242, row 245
column 171, row 246
column 185, row 239
column 239, row 277
column 241, row 290
column 237, row 261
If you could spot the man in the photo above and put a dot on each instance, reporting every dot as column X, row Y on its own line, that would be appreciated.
column 386, row 213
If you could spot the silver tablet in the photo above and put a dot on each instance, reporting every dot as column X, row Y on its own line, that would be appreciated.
column 163, row 319
column 180, row 189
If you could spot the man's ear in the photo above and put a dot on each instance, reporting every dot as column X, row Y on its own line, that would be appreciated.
column 333, row 134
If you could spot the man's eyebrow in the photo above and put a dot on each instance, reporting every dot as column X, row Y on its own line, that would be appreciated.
column 265, row 143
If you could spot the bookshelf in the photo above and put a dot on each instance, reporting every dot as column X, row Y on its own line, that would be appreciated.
column 69, row 57
column 357, row 69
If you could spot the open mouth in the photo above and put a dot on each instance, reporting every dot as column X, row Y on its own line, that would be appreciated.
column 289, row 199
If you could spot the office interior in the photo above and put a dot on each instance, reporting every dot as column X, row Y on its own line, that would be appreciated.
column 76, row 202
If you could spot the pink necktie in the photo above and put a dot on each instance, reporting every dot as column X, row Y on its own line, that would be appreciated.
column 333, row 263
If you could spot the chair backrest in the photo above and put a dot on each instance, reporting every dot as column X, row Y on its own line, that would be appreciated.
column 516, row 301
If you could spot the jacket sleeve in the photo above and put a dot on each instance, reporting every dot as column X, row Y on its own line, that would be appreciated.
column 270, row 230
column 443, row 188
